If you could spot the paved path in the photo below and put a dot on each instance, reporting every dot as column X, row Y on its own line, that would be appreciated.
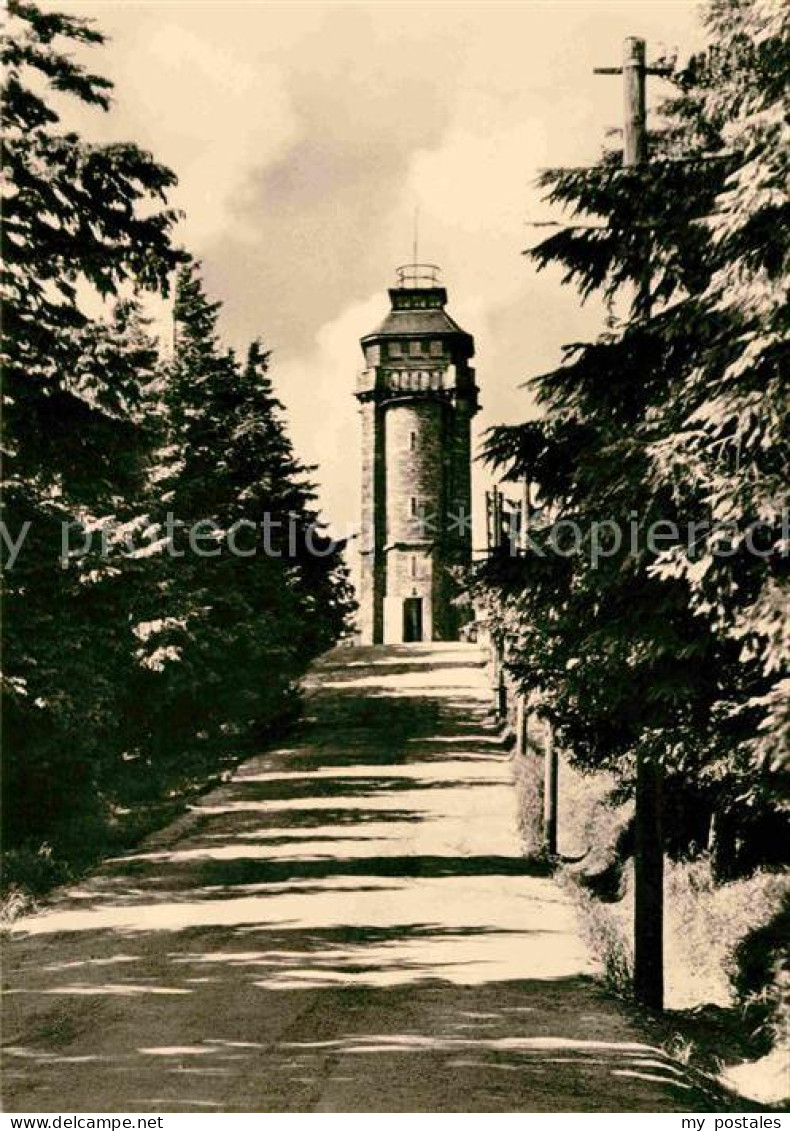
column 348, row 925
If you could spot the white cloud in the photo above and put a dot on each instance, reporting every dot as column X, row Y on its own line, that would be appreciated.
column 317, row 389
column 477, row 182
column 303, row 135
column 211, row 114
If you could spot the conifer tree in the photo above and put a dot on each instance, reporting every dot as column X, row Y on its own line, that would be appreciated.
column 673, row 416
column 78, row 217
column 243, row 601
column 128, row 648
column 731, row 414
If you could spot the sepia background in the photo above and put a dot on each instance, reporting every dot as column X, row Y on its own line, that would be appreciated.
column 305, row 136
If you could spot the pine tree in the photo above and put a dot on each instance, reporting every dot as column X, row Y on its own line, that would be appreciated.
column 70, row 597
column 674, row 415
column 78, row 217
column 134, row 661
column 248, row 605
column 732, row 411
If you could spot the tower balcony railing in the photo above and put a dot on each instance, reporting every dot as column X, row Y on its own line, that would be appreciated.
column 419, row 275
column 413, row 380
column 408, row 379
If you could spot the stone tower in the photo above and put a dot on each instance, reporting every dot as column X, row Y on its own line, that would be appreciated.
column 417, row 395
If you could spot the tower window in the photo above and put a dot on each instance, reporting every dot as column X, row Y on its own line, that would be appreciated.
column 413, row 566
column 412, row 441
column 413, row 506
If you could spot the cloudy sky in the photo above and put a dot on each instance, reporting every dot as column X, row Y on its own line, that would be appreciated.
column 304, row 135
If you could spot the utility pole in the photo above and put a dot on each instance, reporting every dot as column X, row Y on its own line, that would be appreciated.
column 635, row 106
column 649, row 842
column 634, row 71
column 550, row 793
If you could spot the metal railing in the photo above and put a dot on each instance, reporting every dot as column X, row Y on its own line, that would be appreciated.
column 418, row 275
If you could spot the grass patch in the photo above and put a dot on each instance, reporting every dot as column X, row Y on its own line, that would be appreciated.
column 528, row 779
column 727, row 1002
column 605, row 929
column 727, row 982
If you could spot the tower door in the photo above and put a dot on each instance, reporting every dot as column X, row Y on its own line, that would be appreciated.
column 412, row 620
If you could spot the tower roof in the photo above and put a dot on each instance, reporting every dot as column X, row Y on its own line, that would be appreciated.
column 408, row 322
column 418, row 303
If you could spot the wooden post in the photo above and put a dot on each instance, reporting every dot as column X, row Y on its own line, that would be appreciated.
column 521, row 725
column 550, row 793
column 634, row 131
column 648, row 886
column 498, row 684
column 525, row 515
column 649, row 847
column 494, row 664
column 501, row 694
